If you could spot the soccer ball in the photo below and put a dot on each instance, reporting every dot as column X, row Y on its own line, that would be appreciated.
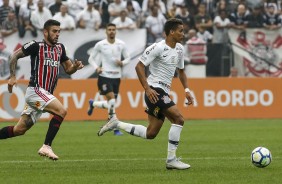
column 261, row 157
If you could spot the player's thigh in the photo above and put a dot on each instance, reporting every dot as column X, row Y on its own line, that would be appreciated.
column 56, row 107
column 104, row 85
column 174, row 115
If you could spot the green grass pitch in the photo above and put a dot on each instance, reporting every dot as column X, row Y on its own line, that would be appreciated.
column 217, row 150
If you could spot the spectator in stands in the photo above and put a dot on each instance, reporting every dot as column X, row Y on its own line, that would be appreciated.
column 76, row 6
column 4, row 10
column 67, row 21
column 135, row 5
column 123, row 22
column 232, row 5
column 196, row 48
column 204, row 35
column 193, row 6
column 10, row 25
column 155, row 25
column 89, row 18
column 220, row 28
column 210, row 7
column 115, row 9
column 161, row 6
column 55, row 7
column 24, row 19
column 203, row 21
column 233, row 72
column 255, row 19
column 186, row 17
column 171, row 11
column 146, row 11
column 273, row 3
column 103, row 9
column 147, row 4
column 40, row 15
column 131, row 13
column 221, row 5
column 239, row 18
column 272, row 20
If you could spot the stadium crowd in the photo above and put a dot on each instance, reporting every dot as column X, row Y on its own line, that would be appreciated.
column 210, row 18
column 205, row 21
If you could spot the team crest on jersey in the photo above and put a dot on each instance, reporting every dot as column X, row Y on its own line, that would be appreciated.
column 37, row 104
column 166, row 99
column 156, row 111
column 25, row 107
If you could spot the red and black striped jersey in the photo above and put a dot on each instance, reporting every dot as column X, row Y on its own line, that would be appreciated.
column 45, row 63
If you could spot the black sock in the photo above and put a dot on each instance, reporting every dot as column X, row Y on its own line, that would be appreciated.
column 7, row 132
column 54, row 126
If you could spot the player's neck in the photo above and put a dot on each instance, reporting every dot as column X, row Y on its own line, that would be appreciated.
column 170, row 43
column 48, row 43
column 111, row 40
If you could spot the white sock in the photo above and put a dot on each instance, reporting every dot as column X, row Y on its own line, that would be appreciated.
column 137, row 130
column 100, row 104
column 173, row 140
column 112, row 107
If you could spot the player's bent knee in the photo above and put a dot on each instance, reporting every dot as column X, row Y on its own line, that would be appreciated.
column 19, row 130
column 24, row 124
column 151, row 135
column 179, row 120
column 62, row 112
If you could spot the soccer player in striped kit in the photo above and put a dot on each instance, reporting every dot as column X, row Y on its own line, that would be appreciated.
column 46, row 57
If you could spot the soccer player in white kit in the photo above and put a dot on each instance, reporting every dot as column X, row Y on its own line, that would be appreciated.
column 163, row 58
column 111, row 51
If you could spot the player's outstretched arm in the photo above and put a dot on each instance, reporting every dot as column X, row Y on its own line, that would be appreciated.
column 183, row 79
column 72, row 67
column 13, row 65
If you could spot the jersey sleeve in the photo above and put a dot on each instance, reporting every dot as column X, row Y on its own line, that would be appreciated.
column 30, row 48
column 93, row 55
column 149, row 54
column 125, row 55
column 64, row 56
column 181, row 58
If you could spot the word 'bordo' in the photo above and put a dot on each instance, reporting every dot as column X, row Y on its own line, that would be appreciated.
column 238, row 98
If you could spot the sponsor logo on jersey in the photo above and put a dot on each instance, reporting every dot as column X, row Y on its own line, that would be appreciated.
column 150, row 49
column 28, row 44
column 51, row 62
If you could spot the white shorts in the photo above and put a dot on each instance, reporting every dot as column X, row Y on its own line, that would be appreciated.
column 36, row 100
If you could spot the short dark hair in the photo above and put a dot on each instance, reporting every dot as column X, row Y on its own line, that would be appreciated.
column 51, row 22
column 110, row 24
column 172, row 24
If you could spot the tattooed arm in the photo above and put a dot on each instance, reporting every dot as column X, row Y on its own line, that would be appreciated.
column 13, row 65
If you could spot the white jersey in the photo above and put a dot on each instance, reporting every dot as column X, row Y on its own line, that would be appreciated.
column 109, row 54
column 163, row 61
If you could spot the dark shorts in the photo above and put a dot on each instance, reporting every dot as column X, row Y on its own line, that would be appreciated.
column 163, row 103
column 106, row 85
